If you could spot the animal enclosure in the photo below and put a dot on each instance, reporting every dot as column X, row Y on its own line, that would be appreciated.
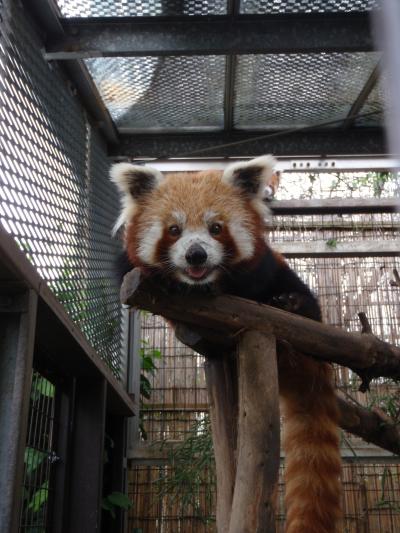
column 88, row 390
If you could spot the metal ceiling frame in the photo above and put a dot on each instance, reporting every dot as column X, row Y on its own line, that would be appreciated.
column 284, row 164
column 360, row 141
column 211, row 35
column 71, row 40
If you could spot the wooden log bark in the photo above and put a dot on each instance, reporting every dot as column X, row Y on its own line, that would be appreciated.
column 253, row 507
column 370, row 425
column 364, row 354
column 222, row 396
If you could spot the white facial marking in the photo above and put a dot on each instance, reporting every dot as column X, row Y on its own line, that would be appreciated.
column 213, row 248
column 209, row 216
column 180, row 217
column 148, row 242
column 243, row 239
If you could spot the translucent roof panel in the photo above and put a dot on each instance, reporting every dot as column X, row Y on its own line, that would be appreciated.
column 162, row 93
column 140, row 8
column 259, row 7
column 286, row 91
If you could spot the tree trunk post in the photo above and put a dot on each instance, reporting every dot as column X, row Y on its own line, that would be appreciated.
column 253, row 507
column 222, row 394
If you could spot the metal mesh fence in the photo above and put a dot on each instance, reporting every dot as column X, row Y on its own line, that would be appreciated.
column 370, row 502
column 55, row 197
column 39, row 457
column 305, row 6
column 140, row 8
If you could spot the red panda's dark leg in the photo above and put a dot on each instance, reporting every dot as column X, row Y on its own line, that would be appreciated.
column 311, row 443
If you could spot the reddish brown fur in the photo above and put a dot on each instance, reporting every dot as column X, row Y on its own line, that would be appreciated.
column 311, row 443
column 192, row 193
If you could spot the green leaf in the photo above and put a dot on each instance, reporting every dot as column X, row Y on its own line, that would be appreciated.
column 44, row 387
column 145, row 387
column 119, row 499
column 108, row 506
column 332, row 243
column 33, row 458
column 39, row 497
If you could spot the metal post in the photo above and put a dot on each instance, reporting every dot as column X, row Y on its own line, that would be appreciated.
column 85, row 490
column 17, row 333
column 133, row 379
column 61, row 472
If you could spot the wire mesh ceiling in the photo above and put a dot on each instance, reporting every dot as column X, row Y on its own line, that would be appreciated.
column 197, row 93
column 162, row 93
column 141, row 8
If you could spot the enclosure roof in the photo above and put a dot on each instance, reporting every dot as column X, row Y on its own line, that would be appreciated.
column 179, row 77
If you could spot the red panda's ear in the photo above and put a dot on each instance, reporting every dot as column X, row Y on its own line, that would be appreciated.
column 134, row 180
column 251, row 177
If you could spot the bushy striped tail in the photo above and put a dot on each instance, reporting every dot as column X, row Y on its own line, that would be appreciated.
column 311, row 443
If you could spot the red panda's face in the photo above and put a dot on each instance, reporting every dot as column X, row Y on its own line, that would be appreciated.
column 193, row 226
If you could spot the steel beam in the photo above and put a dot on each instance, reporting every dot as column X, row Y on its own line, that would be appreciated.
column 334, row 206
column 162, row 36
column 363, row 96
column 284, row 164
column 86, row 479
column 368, row 141
column 17, row 335
column 365, row 248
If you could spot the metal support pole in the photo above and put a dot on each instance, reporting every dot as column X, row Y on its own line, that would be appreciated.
column 85, row 490
column 133, row 379
column 61, row 473
column 17, row 334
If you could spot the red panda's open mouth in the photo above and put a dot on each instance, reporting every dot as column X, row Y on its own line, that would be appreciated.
column 197, row 273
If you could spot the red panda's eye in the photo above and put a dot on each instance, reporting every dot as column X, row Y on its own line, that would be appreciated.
column 215, row 229
column 174, row 230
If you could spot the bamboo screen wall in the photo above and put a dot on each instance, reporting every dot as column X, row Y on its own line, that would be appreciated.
column 345, row 286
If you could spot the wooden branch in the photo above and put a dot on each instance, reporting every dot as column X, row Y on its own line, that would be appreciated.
column 370, row 425
column 253, row 507
column 365, row 325
column 396, row 281
column 355, row 419
column 364, row 354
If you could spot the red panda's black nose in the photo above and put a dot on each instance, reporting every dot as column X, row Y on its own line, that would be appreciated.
column 196, row 255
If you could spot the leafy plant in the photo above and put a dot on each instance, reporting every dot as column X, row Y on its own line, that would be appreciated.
column 389, row 403
column 33, row 459
column 42, row 387
column 332, row 243
column 39, row 497
column 190, row 478
column 114, row 501
column 147, row 356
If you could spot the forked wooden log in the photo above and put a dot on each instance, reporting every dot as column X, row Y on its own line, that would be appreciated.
column 247, row 462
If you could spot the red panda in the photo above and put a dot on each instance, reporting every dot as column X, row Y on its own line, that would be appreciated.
column 207, row 229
